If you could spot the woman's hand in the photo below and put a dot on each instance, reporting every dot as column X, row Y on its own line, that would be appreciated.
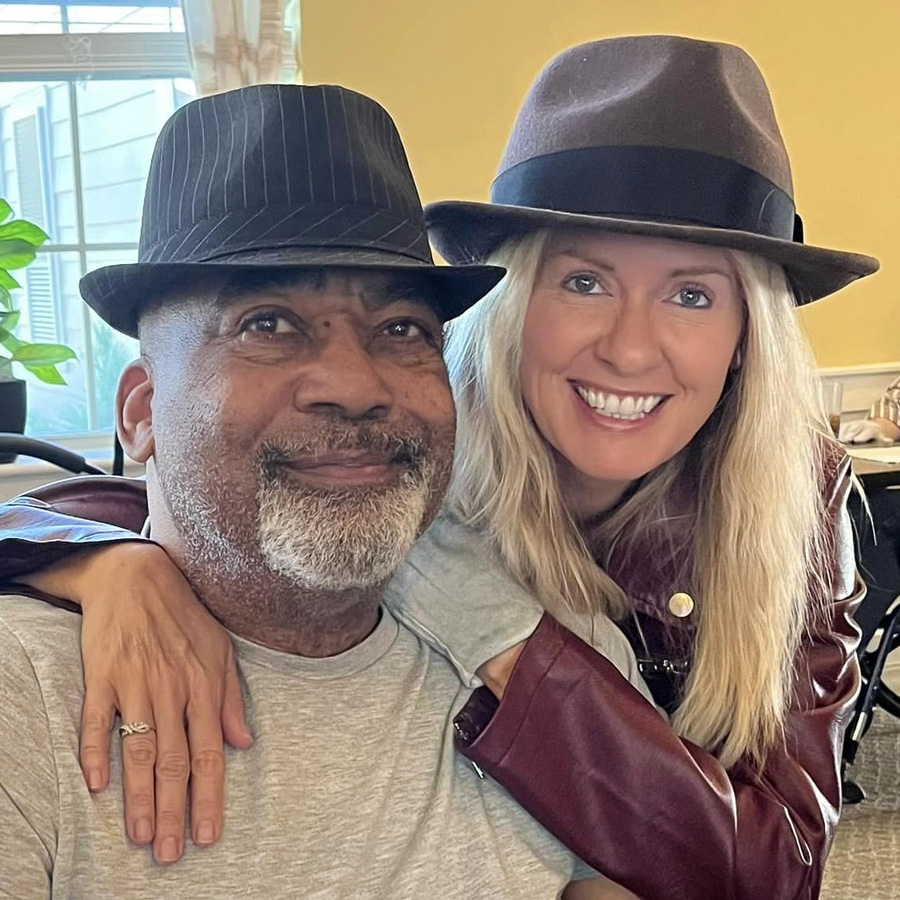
column 598, row 888
column 864, row 430
column 497, row 671
column 153, row 652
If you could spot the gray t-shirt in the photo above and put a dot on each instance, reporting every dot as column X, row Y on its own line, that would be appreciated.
column 351, row 789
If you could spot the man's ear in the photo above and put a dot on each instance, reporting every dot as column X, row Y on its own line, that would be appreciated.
column 134, row 417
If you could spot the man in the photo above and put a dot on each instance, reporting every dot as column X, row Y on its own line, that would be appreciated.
column 294, row 413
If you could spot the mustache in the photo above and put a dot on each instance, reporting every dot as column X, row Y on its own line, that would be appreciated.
column 410, row 450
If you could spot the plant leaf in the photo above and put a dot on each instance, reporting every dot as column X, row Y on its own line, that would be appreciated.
column 9, row 320
column 7, row 281
column 15, row 254
column 42, row 354
column 10, row 341
column 18, row 242
column 47, row 374
column 20, row 230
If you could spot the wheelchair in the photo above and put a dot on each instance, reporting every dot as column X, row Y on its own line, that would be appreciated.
column 12, row 445
column 878, row 615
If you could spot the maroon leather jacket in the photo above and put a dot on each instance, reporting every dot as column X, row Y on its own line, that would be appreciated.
column 583, row 752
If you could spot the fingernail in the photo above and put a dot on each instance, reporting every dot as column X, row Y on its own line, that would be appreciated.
column 168, row 851
column 143, row 831
column 94, row 780
column 206, row 834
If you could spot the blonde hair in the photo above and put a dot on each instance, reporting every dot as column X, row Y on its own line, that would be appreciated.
column 756, row 540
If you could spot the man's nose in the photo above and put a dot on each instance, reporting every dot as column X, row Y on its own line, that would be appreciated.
column 343, row 377
column 631, row 342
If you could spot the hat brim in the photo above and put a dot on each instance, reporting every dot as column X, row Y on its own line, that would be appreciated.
column 118, row 293
column 466, row 232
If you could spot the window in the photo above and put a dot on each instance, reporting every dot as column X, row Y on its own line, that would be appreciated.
column 84, row 89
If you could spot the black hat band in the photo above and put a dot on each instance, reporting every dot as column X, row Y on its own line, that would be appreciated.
column 655, row 183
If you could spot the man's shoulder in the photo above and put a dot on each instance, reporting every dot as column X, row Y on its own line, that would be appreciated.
column 39, row 677
column 452, row 556
column 33, row 630
column 20, row 611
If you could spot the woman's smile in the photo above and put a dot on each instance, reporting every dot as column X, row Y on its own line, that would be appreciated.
column 621, row 407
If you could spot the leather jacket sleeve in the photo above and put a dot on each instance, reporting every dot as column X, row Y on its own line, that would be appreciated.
column 61, row 518
column 585, row 754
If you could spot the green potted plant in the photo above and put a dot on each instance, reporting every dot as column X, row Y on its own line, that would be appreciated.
column 19, row 241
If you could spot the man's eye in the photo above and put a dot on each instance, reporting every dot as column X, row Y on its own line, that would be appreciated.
column 583, row 283
column 406, row 329
column 267, row 323
column 692, row 298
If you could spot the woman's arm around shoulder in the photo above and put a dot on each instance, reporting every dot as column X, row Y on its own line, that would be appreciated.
column 57, row 520
column 151, row 652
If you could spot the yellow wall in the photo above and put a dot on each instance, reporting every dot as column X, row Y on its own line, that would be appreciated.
column 452, row 73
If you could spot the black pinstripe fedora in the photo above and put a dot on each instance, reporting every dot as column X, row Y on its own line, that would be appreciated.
column 652, row 135
column 279, row 176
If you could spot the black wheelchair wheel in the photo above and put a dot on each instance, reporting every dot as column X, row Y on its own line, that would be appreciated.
column 889, row 700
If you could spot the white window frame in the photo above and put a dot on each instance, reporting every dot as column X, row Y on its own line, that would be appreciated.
column 72, row 58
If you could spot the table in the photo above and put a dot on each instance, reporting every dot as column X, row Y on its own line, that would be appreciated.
column 874, row 459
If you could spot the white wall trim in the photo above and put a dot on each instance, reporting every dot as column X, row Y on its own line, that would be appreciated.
column 861, row 369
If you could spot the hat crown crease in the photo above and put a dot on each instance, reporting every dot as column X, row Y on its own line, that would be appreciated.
column 674, row 92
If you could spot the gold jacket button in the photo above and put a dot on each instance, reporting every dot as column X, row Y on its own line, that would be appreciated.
column 681, row 604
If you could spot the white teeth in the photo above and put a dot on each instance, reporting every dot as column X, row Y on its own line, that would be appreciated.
column 616, row 407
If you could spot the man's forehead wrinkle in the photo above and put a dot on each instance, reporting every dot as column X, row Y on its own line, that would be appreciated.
column 374, row 289
column 376, row 297
column 395, row 289
column 241, row 288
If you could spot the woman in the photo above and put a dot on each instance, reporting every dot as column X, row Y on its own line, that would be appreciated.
column 638, row 436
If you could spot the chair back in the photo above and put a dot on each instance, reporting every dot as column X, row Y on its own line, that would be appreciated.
column 103, row 498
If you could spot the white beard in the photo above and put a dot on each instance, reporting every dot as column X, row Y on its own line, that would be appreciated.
column 341, row 540
column 317, row 539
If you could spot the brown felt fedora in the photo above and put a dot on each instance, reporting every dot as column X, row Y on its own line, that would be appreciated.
column 654, row 135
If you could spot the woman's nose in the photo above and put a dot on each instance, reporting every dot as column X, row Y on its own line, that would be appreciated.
column 630, row 343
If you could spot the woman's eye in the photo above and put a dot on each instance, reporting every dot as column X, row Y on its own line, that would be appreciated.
column 692, row 298
column 583, row 284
